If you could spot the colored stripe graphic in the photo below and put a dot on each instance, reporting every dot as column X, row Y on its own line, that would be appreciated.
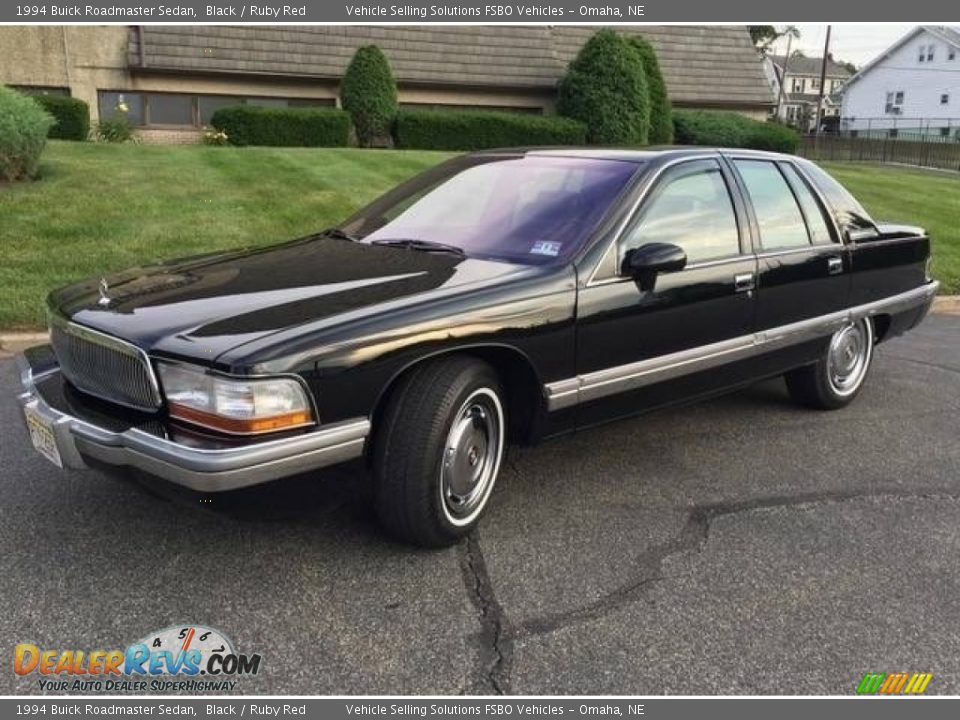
column 894, row 683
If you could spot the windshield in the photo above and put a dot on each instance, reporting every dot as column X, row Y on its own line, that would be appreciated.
column 529, row 209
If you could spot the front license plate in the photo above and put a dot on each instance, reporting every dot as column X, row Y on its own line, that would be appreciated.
column 42, row 437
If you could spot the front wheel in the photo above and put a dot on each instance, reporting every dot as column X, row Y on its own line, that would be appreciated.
column 836, row 378
column 438, row 450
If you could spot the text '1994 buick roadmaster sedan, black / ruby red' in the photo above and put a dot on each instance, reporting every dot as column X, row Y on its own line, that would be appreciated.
column 501, row 296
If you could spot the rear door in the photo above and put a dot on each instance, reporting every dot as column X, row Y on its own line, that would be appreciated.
column 803, row 269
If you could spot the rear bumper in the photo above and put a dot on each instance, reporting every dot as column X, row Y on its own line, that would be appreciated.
column 198, row 468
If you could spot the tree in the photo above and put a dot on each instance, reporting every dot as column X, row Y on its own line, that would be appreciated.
column 661, row 114
column 369, row 93
column 764, row 36
column 605, row 88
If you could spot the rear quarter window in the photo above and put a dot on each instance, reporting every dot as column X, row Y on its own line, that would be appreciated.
column 849, row 213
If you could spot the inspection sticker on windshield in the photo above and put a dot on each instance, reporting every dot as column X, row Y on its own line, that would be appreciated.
column 546, row 247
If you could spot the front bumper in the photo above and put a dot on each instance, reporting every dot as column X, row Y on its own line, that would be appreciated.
column 205, row 469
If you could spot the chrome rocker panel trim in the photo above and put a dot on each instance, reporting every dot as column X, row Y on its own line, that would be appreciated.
column 199, row 469
column 622, row 378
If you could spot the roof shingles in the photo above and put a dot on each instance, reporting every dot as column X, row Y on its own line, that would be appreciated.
column 701, row 64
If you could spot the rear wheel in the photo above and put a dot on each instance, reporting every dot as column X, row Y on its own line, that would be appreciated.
column 437, row 451
column 836, row 378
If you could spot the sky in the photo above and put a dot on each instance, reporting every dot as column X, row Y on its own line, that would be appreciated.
column 849, row 42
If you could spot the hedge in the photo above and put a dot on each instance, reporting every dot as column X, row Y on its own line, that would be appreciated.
column 23, row 134
column 727, row 129
column 661, row 114
column 368, row 92
column 287, row 127
column 605, row 88
column 476, row 130
column 72, row 116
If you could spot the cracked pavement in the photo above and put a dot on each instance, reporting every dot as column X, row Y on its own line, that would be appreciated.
column 743, row 545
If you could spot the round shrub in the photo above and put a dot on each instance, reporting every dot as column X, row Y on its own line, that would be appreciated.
column 727, row 129
column 23, row 134
column 369, row 94
column 606, row 89
column 661, row 114
column 72, row 116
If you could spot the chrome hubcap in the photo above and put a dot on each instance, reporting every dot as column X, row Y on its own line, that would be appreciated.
column 849, row 357
column 471, row 456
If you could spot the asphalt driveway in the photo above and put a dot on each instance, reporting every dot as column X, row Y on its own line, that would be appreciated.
column 738, row 546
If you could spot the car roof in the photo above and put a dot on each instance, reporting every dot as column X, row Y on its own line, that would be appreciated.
column 656, row 153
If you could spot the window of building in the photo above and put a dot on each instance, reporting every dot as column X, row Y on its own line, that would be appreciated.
column 209, row 104
column 778, row 215
column 169, row 109
column 893, row 133
column 691, row 209
column 114, row 104
column 42, row 90
column 797, row 85
column 945, row 98
column 187, row 109
column 894, row 104
column 814, row 84
column 930, row 53
column 944, row 132
column 951, row 53
column 923, row 53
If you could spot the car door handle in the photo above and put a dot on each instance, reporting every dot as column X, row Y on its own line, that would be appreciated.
column 834, row 265
column 745, row 282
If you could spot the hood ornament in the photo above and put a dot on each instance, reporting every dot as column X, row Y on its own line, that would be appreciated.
column 104, row 289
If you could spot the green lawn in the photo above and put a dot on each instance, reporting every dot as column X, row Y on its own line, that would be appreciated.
column 99, row 208
column 928, row 198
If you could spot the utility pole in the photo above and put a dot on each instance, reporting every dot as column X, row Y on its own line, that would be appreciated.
column 823, row 80
column 783, row 76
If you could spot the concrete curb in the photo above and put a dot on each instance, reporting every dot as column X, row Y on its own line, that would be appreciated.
column 949, row 304
column 12, row 343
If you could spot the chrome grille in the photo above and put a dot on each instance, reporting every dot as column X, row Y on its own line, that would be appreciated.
column 105, row 366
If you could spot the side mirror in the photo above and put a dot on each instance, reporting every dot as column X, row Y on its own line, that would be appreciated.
column 647, row 261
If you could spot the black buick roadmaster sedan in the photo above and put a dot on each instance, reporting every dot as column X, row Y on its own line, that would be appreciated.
column 501, row 296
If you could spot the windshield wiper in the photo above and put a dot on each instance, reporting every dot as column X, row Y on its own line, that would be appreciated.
column 336, row 232
column 422, row 245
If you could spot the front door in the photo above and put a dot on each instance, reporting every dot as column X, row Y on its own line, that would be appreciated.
column 638, row 348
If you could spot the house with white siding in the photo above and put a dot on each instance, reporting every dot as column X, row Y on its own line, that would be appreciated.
column 911, row 90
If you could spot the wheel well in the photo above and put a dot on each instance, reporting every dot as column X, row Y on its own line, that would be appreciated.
column 881, row 324
column 522, row 388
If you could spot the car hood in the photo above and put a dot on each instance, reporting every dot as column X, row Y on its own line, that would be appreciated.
column 200, row 307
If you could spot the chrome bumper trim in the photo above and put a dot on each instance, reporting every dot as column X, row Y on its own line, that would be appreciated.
column 199, row 469
column 622, row 378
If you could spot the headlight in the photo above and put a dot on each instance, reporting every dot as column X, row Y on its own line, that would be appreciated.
column 234, row 405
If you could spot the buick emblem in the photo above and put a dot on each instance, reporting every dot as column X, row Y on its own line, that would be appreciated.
column 104, row 289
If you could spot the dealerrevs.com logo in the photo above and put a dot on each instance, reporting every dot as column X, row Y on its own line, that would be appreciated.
column 187, row 658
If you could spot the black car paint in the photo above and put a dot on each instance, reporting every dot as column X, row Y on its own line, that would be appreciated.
column 351, row 318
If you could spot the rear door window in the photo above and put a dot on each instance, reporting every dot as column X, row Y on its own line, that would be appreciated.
column 813, row 212
column 775, row 206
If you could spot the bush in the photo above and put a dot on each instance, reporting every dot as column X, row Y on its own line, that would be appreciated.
column 369, row 94
column 476, row 130
column 661, row 114
column 283, row 127
column 117, row 129
column 606, row 89
column 23, row 134
column 72, row 116
column 727, row 129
